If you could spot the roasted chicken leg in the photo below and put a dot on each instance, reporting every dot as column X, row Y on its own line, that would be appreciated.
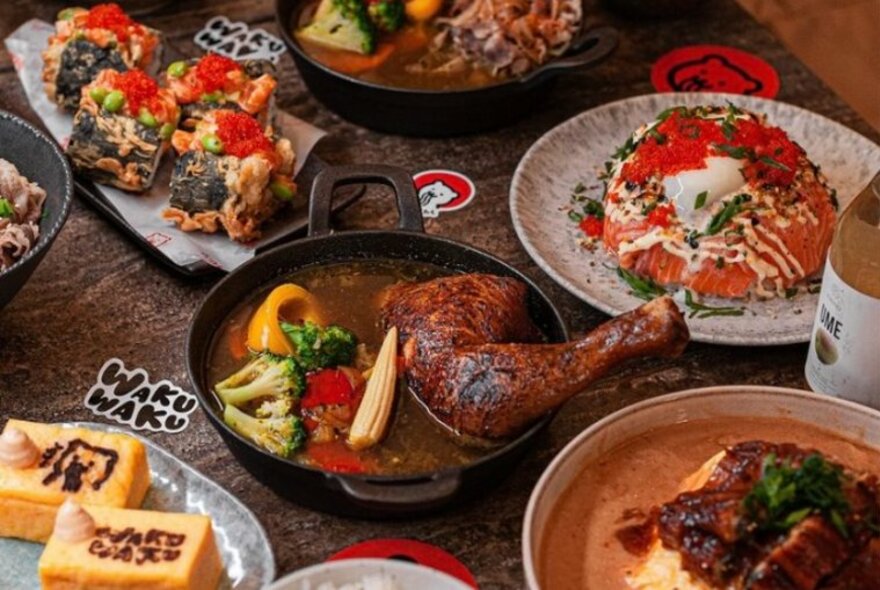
column 474, row 357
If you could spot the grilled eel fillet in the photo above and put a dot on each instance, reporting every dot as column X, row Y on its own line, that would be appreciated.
column 474, row 357
column 706, row 527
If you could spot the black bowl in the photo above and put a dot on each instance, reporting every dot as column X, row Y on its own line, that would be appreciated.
column 435, row 113
column 364, row 496
column 40, row 160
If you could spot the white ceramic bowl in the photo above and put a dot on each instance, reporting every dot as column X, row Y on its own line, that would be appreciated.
column 407, row 576
column 737, row 402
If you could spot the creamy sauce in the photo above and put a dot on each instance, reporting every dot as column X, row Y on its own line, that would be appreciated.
column 580, row 551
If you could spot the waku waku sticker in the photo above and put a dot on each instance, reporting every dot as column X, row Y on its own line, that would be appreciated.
column 441, row 191
column 128, row 397
column 238, row 41
column 714, row 68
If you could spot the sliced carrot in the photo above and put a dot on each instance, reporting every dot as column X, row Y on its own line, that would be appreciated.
column 349, row 62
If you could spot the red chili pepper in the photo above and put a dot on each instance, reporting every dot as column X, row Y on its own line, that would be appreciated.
column 592, row 226
column 660, row 215
column 327, row 387
column 336, row 456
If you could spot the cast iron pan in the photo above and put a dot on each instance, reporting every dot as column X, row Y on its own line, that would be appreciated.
column 435, row 113
column 361, row 496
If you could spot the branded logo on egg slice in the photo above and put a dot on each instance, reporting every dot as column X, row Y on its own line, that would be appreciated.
column 441, row 191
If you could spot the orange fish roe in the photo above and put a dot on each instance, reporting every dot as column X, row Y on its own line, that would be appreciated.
column 592, row 226
column 683, row 142
column 780, row 154
column 113, row 18
column 242, row 135
column 139, row 89
column 212, row 72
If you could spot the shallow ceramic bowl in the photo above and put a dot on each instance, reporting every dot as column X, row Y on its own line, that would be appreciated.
column 847, row 419
column 349, row 571
column 40, row 160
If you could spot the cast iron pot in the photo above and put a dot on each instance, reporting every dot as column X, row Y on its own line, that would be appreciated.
column 40, row 160
column 362, row 496
column 435, row 113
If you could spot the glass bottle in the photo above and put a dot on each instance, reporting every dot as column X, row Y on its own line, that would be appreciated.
column 844, row 356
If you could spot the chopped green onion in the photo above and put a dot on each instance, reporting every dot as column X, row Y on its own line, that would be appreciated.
column 575, row 216
column 642, row 288
column 701, row 311
column 6, row 208
column 177, row 69
column 98, row 94
column 166, row 131
column 69, row 13
column 281, row 190
column 740, row 153
column 773, row 163
column 730, row 210
column 212, row 144
column 113, row 101
column 789, row 293
column 701, row 200
column 212, row 97
column 146, row 118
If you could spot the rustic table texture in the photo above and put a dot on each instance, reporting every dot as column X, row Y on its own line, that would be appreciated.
column 97, row 295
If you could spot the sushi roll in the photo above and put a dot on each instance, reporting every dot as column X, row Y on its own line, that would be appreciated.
column 122, row 128
column 88, row 41
column 231, row 173
column 213, row 81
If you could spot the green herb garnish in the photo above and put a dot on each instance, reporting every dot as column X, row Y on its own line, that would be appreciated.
column 6, row 208
column 791, row 292
column 773, row 163
column 786, row 495
column 592, row 207
column 575, row 216
column 730, row 210
column 700, row 311
column 740, row 153
column 579, row 188
column 624, row 151
column 642, row 288
column 701, row 200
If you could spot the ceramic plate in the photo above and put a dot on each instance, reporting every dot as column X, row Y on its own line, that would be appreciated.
column 176, row 487
column 575, row 151
column 405, row 576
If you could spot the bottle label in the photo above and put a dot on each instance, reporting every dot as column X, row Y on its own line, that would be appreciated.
column 844, row 356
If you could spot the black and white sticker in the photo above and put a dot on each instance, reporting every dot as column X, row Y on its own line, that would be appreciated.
column 128, row 397
column 238, row 41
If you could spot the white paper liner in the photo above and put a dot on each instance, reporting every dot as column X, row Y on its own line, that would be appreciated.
column 143, row 211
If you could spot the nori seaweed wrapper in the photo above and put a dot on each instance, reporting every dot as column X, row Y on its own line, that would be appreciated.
column 114, row 149
column 81, row 61
column 198, row 182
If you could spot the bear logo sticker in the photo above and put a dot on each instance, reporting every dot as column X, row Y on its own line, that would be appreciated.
column 441, row 191
column 714, row 68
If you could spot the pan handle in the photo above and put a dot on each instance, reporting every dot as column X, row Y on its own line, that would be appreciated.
column 327, row 180
column 436, row 489
column 590, row 47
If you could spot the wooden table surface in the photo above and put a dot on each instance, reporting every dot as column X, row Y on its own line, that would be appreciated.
column 97, row 296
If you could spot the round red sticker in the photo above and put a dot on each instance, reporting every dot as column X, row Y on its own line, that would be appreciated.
column 412, row 551
column 714, row 68
column 441, row 191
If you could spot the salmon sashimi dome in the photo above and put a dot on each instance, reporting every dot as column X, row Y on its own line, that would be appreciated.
column 716, row 200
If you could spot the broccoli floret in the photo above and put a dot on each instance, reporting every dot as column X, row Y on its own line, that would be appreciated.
column 318, row 348
column 267, row 375
column 342, row 24
column 274, row 408
column 281, row 435
column 387, row 15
